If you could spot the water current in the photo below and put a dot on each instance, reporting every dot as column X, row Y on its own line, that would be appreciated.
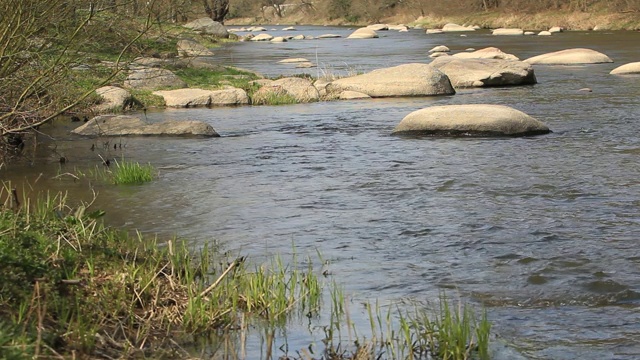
column 543, row 231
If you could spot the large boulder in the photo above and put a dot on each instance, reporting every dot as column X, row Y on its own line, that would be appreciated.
column 113, row 98
column 199, row 97
column 125, row 125
column 302, row 90
column 470, row 120
column 153, row 78
column 191, row 48
column 505, row 31
column 631, row 68
column 456, row 28
column 207, row 26
column 230, row 96
column 185, row 97
column 363, row 33
column 485, row 72
column 403, row 80
column 570, row 57
column 486, row 53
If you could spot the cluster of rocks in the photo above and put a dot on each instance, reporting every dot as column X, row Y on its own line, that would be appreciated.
column 470, row 68
column 453, row 28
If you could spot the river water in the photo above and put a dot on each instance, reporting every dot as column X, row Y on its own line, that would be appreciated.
column 542, row 231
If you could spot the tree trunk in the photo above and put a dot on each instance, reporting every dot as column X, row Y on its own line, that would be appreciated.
column 217, row 10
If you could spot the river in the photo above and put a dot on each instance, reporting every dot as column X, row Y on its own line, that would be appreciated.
column 541, row 231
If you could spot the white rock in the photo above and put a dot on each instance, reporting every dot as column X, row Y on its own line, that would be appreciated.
column 439, row 48
column 470, row 120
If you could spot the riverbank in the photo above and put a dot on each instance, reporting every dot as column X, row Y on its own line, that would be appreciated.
column 73, row 287
column 569, row 20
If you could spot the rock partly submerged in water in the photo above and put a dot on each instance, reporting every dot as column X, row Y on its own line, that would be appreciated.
column 403, row 80
column 470, row 120
column 363, row 33
column 485, row 72
column 302, row 90
column 125, row 125
column 486, row 53
column 570, row 57
column 627, row 69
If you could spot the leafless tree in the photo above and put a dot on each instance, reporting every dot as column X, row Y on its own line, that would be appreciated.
column 216, row 9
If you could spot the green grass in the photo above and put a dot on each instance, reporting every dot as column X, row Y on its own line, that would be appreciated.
column 74, row 287
column 273, row 97
column 131, row 173
column 451, row 331
column 211, row 79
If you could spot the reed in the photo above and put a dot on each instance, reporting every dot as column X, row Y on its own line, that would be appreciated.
column 450, row 332
column 72, row 286
column 275, row 97
column 130, row 173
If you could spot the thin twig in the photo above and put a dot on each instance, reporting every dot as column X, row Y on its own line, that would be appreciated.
column 213, row 286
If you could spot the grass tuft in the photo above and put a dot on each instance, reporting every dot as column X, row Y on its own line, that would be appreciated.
column 132, row 173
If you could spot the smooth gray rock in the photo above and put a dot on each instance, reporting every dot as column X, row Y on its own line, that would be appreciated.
column 300, row 89
column 191, row 48
column 124, row 125
column 363, row 33
column 113, row 98
column 207, row 26
column 486, row 53
column 378, row 27
column 262, row 37
column 510, row 32
column 404, row 80
column 456, row 28
column 470, row 120
column 485, row 72
column 352, row 95
column 570, row 57
column 439, row 48
column 153, row 78
column 198, row 97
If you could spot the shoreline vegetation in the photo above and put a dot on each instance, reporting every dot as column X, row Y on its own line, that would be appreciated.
column 542, row 20
column 73, row 287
